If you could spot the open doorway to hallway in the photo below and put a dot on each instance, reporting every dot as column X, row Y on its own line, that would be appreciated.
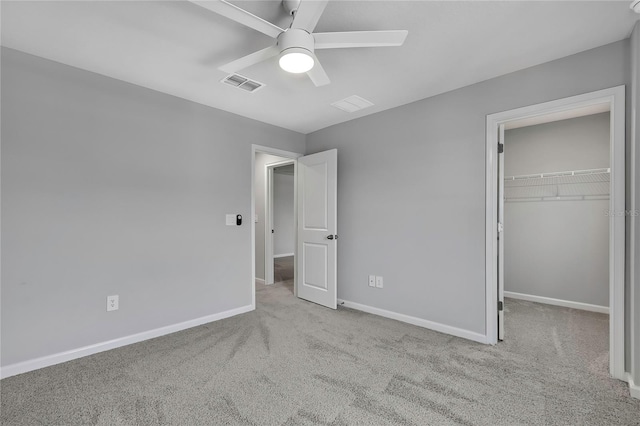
column 274, row 220
column 281, row 214
column 315, row 223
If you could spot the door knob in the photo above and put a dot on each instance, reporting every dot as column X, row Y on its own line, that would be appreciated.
column 332, row 237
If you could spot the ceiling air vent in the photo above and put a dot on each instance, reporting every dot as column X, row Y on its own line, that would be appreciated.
column 236, row 80
column 352, row 104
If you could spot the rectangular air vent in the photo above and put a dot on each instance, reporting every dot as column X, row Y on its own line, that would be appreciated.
column 236, row 80
column 352, row 104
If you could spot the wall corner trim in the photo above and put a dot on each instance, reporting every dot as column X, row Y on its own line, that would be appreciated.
column 431, row 325
column 48, row 360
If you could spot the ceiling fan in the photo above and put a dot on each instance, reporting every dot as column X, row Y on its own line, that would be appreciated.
column 296, row 45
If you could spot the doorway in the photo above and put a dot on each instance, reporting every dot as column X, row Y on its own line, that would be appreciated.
column 556, row 239
column 315, row 219
column 264, row 160
column 610, row 101
column 279, row 219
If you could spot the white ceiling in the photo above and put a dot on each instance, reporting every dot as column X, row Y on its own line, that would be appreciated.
column 176, row 47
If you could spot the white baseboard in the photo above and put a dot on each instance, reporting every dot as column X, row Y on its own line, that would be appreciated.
column 634, row 389
column 276, row 256
column 260, row 280
column 442, row 328
column 558, row 302
column 46, row 361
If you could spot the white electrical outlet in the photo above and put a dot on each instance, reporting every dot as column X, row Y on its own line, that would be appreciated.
column 379, row 282
column 372, row 280
column 112, row 303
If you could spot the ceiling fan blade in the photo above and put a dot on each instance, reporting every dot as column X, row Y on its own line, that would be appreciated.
column 247, row 61
column 360, row 39
column 241, row 16
column 308, row 14
column 317, row 74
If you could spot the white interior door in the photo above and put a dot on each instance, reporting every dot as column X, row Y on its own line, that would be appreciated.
column 317, row 228
column 501, row 233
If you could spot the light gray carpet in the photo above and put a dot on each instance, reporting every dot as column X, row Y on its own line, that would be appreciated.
column 295, row 363
column 283, row 270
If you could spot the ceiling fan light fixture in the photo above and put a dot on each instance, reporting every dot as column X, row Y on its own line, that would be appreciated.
column 297, row 44
column 296, row 60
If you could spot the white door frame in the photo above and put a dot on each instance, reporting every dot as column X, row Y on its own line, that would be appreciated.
column 273, row 151
column 615, row 97
column 268, row 218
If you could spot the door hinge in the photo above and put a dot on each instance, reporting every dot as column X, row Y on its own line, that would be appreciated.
column 500, row 227
column 500, row 148
column 500, row 305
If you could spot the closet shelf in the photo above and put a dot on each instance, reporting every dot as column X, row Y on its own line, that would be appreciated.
column 570, row 177
column 557, row 198
column 569, row 185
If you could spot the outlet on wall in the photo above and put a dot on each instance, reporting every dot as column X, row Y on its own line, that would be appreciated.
column 372, row 280
column 379, row 282
column 112, row 303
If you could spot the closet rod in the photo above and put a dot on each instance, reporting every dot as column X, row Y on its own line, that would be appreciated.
column 559, row 174
column 560, row 198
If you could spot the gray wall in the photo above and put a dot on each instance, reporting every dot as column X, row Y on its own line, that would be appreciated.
column 635, row 140
column 558, row 249
column 411, row 196
column 109, row 188
column 577, row 143
column 283, row 208
column 259, row 188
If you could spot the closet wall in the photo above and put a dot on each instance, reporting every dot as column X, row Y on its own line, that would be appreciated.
column 558, row 247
